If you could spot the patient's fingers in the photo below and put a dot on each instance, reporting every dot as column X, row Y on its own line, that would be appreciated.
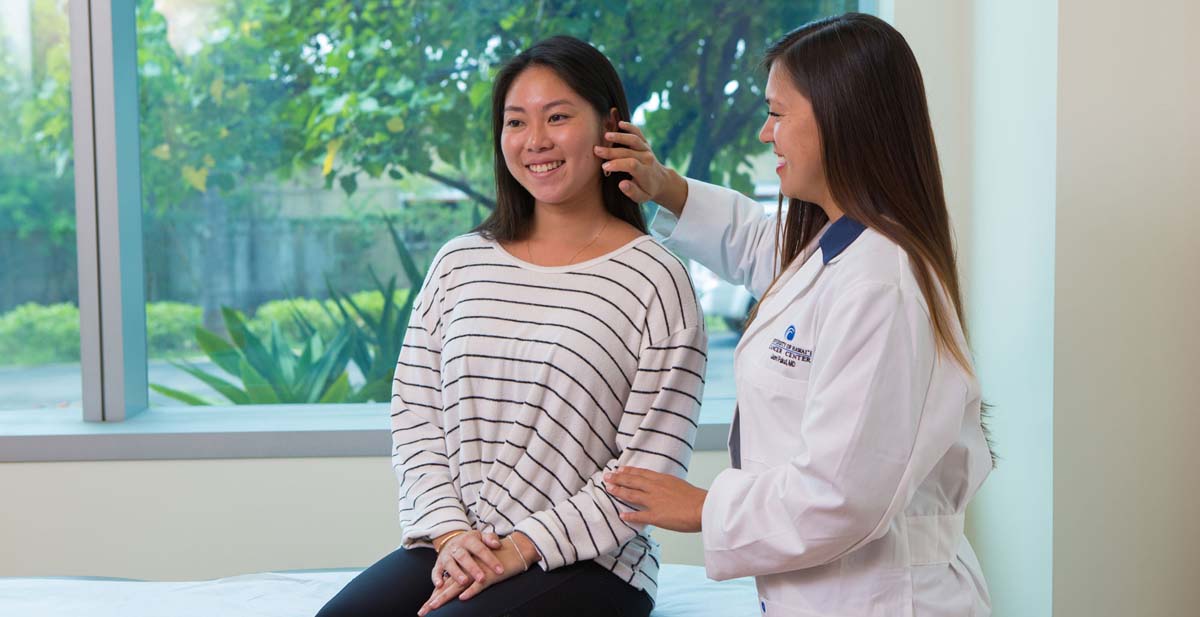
column 492, row 541
column 456, row 572
column 473, row 590
column 475, row 546
column 466, row 562
column 441, row 597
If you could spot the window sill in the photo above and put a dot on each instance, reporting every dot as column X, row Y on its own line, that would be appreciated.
column 268, row 431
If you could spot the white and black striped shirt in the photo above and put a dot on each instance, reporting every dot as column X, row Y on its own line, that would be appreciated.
column 518, row 386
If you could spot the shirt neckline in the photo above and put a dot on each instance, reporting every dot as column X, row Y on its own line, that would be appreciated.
column 569, row 267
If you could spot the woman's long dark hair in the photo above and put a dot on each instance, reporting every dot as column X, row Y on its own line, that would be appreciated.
column 587, row 72
column 880, row 160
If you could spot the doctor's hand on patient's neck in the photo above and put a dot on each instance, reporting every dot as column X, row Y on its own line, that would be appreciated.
column 649, row 179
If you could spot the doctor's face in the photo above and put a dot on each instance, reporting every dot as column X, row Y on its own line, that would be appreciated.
column 791, row 131
column 548, row 138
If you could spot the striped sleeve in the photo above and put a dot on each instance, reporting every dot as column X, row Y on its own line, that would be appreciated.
column 656, row 432
column 429, row 504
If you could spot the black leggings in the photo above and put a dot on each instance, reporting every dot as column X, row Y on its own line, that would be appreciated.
column 398, row 585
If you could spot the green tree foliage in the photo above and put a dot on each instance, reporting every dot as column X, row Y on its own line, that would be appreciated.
column 379, row 87
column 404, row 87
column 36, row 163
column 212, row 112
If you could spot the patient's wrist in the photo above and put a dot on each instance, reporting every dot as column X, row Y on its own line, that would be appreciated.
column 525, row 547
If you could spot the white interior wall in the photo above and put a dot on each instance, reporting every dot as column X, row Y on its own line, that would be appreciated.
column 186, row 520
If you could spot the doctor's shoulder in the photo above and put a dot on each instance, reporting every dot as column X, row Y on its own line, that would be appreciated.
column 874, row 260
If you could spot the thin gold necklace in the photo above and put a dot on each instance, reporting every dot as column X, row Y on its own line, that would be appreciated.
column 529, row 250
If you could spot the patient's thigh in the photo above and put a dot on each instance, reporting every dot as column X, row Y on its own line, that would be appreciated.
column 579, row 590
column 396, row 585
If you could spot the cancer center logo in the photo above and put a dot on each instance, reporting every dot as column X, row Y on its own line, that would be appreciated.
column 787, row 354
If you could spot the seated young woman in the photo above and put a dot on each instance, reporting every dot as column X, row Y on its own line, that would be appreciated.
column 555, row 343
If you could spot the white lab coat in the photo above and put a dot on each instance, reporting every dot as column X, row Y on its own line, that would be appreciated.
column 860, row 447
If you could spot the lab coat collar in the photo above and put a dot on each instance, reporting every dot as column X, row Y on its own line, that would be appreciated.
column 840, row 234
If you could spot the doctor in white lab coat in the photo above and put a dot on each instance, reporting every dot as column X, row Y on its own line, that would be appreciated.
column 858, row 442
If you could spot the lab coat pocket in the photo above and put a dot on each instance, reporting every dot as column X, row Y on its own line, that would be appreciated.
column 771, row 414
column 777, row 375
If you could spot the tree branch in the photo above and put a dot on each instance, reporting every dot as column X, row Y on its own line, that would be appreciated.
column 461, row 185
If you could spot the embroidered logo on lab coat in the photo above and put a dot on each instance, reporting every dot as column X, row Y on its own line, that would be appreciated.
column 786, row 353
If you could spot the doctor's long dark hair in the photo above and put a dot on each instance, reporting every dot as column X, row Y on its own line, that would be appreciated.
column 589, row 73
column 880, row 160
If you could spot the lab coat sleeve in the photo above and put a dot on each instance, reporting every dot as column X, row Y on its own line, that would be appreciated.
column 727, row 232
column 865, row 446
column 430, row 505
column 656, row 432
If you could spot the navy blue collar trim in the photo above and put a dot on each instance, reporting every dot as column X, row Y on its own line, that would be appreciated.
column 841, row 234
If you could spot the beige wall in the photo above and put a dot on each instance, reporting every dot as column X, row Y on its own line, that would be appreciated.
column 183, row 520
column 1083, row 277
column 1127, row 310
column 939, row 33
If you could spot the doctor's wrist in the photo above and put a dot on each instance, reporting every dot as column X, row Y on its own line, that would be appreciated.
column 674, row 193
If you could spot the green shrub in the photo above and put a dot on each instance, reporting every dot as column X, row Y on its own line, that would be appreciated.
column 171, row 329
column 267, row 371
column 281, row 312
column 40, row 334
column 371, row 302
column 34, row 333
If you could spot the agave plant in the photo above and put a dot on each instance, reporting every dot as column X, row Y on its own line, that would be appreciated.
column 376, row 340
column 270, row 371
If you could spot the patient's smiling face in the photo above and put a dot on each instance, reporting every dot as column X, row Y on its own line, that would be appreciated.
column 548, row 135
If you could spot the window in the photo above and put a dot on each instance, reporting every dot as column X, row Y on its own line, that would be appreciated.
column 39, row 294
column 277, row 147
column 296, row 167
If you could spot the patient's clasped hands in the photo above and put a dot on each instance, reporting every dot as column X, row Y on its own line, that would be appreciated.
column 470, row 561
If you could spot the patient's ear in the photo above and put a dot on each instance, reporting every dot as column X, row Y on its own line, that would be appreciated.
column 613, row 121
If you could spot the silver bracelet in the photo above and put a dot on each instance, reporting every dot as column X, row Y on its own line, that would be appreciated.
column 518, row 549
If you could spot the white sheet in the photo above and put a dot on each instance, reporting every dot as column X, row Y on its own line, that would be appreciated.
column 683, row 592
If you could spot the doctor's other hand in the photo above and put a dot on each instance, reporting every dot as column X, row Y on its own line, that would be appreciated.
column 665, row 501
column 649, row 179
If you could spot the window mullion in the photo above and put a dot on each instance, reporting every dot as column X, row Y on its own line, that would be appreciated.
column 108, row 208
